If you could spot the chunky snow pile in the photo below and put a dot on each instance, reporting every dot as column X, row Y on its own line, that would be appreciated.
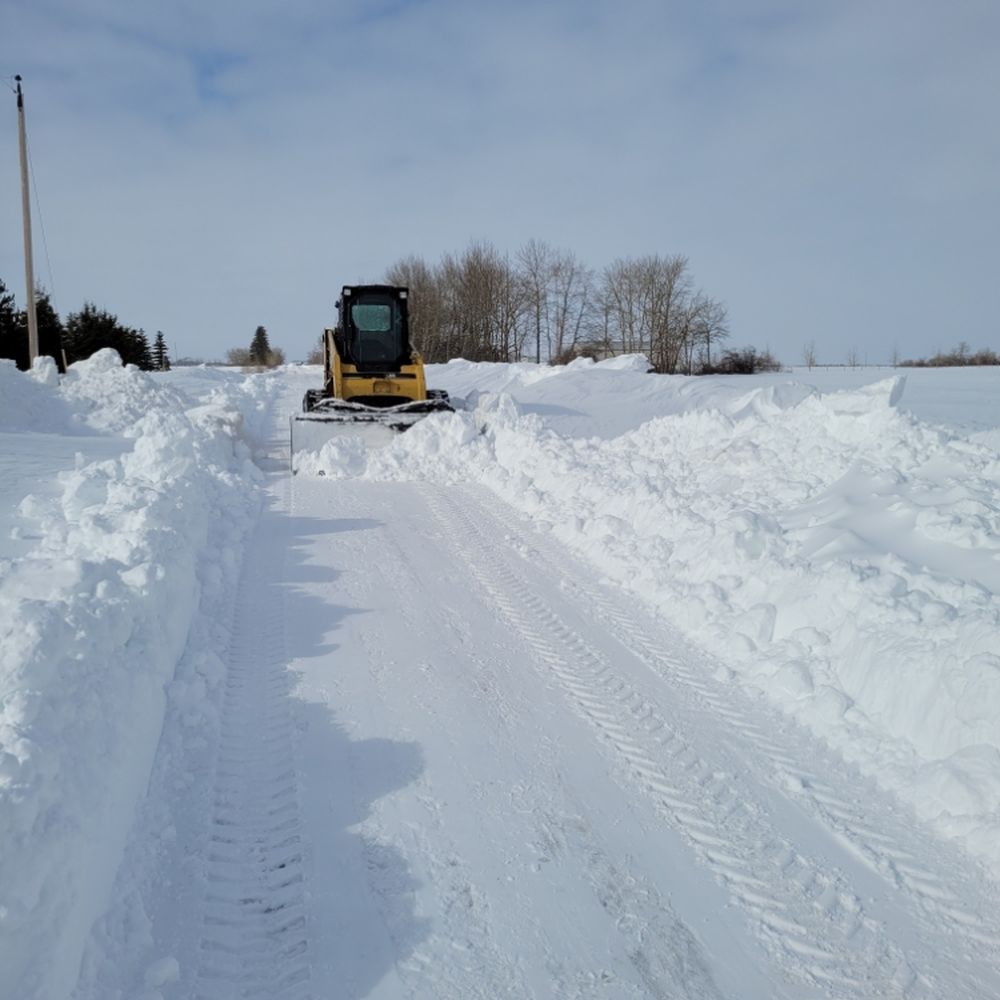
column 100, row 583
column 26, row 401
column 833, row 550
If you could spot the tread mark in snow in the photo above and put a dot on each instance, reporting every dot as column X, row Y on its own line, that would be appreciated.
column 803, row 902
column 846, row 819
column 665, row 958
column 254, row 936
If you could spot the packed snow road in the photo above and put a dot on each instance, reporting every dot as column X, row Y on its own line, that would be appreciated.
column 515, row 785
column 403, row 741
column 454, row 766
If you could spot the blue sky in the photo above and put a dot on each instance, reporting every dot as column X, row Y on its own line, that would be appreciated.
column 830, row 169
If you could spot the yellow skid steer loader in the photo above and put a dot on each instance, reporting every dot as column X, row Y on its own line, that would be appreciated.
column 373, row 379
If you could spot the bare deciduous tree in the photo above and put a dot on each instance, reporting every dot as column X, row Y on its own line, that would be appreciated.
column 471, row 305
column 480, row 306
column 428, row 330
column 708, row 324
column 571, row 292
column 626, row 326
column 667, row 290
column 557, row 289
column 646, row 305
column 315, row 355
column 535, row 264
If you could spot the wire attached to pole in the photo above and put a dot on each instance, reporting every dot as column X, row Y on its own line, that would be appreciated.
column 26, row 213
column 13, row 83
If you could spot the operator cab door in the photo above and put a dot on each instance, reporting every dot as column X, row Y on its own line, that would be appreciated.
column 375, row 324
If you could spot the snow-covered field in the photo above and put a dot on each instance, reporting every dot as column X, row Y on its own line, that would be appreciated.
column 608, row 685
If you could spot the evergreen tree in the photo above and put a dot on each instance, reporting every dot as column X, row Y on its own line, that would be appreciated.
column 161, row 360
column 139, row 352
column 88, row 331
column 14, row 329
column 91, row 329
column 6, row 303
column 260, row 349
column 9, row 334
column 50, row 328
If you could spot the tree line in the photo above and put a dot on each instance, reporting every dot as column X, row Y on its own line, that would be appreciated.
column 77, row 338
column 957, row 357
column 545, row 304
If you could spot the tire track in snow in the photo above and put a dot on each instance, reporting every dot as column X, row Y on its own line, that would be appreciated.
column 474, row 917
column 882, row 849
column 809, row 914
column 254, row 939
column 463, row 925
column 481, row 968
column 891, row 846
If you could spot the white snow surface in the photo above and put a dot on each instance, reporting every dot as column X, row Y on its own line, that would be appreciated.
column 111, row 549
column 606, row 685
column 837, row 552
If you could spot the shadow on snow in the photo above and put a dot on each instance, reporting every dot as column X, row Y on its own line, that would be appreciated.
column 361, row 890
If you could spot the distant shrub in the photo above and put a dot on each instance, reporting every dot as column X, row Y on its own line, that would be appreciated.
column 591, row 351
column 241, row 357
column 744, row 361
column 958, row 357
column 238, row 357
column 316, row 356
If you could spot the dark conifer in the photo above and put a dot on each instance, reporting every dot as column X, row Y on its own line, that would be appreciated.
column 14, row 329
column 91, row 329
column 161, row 360
column 260, row 349
column 9, row 336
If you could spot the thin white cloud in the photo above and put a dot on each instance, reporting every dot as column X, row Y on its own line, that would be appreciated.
column 829, row 169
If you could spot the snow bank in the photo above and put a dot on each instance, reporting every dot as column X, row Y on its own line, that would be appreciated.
column 833, row 550
column 93, row 621
column 26, row 402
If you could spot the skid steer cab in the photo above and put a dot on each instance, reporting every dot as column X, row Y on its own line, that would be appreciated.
column 373, row 379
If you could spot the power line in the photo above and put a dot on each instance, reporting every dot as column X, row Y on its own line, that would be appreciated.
column 41, row 226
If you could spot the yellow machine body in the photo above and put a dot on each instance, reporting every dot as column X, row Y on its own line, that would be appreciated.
column 373, row 379
column 344, row 381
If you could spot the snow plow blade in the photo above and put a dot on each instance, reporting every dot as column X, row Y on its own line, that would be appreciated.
column 330, row 419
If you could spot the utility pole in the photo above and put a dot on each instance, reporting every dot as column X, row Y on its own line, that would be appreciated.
column 29, row 269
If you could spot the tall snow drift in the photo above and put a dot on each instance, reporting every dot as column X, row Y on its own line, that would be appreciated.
column 94, row 618
column 835, row 552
